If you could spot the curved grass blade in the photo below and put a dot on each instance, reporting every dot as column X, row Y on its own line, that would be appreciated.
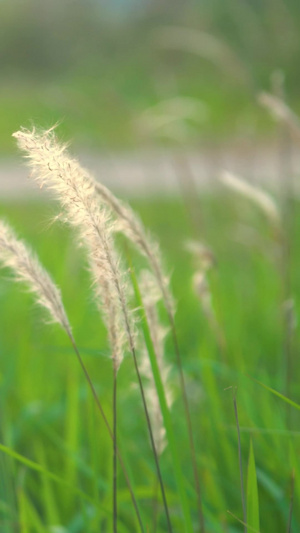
column 240, row 459
column 252, row 492
column 289, row 525
column 38, row 468
column 250, row 528
column 164, row 408
column 278, row 394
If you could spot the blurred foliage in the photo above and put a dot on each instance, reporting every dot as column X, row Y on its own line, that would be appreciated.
column 96, row 66
column 48, row 416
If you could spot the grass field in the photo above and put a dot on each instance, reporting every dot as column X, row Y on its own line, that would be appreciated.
column 48, row 415
column 142, row 77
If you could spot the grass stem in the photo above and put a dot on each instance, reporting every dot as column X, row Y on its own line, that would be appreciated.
column 189, row 424
column 289, row 525
column 115, row 505
column 163, row 405
column 240, row 461
column 99, row 406
column 155, row 455
column 155, row 506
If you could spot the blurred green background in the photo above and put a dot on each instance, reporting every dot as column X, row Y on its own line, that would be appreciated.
column 96, row 66
column 125, row 76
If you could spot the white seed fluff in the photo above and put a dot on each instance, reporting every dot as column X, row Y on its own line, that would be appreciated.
column 75, row 189
column 17, row 256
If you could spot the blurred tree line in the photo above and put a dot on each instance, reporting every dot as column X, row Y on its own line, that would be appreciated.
column 98, row 64
column 38, row 37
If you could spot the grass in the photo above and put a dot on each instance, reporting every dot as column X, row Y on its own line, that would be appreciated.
column 48, row 416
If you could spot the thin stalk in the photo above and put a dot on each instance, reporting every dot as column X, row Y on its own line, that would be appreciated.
column 289, row 525
column 145, row 246
column 152, row 440
column 170, row 316
column 99, row 406
column 240, row 462
column 183, row 390
column 115, row 505
column 128, row 328
column 164, row 409
column 189, row 423
column 155, row 506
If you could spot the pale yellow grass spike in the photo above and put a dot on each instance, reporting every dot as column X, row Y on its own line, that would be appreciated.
column 205, row 260
column 75, row 189
column 202, row 290
column 24, row 264
column 202, row 254
column 130, row 224
column 151, row 296
column 262, row 199
column 281, row 111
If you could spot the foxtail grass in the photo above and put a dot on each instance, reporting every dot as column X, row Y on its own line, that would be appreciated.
column 288, row 130
column 204, row 260
column 75, row 189
column 17, row 256
column 253, row 193
column 281, row 112
column 280, row 235
column 163, row 404
column 152, row 296
column 130, row 225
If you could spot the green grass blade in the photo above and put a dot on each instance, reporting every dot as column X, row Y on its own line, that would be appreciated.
column 164, row 409
column 250, row 528
column 38, row 468
column 278, row 394
column 72, row 426
column 23, row 513
column 48, row 491
column 252, row 492
column 29, row 515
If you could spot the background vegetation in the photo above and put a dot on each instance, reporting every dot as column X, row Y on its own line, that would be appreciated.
column 96, row 68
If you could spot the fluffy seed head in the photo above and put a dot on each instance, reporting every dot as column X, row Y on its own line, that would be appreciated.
column 75, row 189
column 203, row 256
column 281, row 111
column 204, row 260
column 256, row 195
column 25, row 266
column 128, row 223
column 151, row 296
